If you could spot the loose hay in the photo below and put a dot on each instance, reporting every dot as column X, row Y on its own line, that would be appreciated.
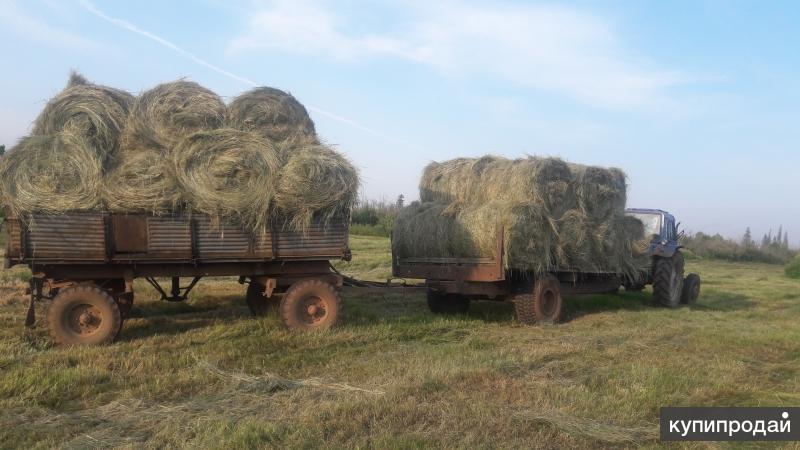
column 142, row 181
column 95, row 113
column 166, row 114
column 274, row 114
column 316, row 181
column 554, row 215
column 228, row 174
column 51, row 174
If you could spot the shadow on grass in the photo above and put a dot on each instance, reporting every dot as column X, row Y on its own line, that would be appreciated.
column 363, row 310
column 170, row 318
column 576, row 306
column 371, row 309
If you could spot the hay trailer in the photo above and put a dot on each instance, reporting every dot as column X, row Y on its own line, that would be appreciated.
column 453, row 282
column 85, row 264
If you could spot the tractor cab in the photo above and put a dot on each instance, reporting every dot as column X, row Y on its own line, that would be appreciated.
column 665, row 271
column 661, row 227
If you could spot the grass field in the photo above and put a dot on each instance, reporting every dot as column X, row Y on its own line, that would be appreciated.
column 206, row 374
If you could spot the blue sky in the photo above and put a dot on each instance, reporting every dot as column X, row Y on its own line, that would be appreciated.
column 698, row 101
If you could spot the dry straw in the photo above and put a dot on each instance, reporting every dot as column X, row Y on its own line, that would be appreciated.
column 164, row 115
column 317, row 182
column 94, row 113
column 274, row 114
column 228, row 174
column 51, row 174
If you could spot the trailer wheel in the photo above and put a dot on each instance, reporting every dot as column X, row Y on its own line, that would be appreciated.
column 441, row 303
column 691, row 289
column 258, row 304
column 668, row 280
column 84, row 315
column 310, row 305
column 542, row 305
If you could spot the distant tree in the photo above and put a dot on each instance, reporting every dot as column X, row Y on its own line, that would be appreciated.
column 401, row 200
column 766, row 240
column 786, row 240
column 2, row 150
column 779, row 238
column 747, row 240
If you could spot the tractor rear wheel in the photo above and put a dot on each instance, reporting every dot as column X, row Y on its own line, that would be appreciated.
column 310, row 305
column 442, row 303
column 691, row 289
column 668, row 280
column 259, row 304
column 543, row 304
column 84, row 315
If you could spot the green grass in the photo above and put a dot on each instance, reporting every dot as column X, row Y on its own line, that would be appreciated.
column 793, row 268
column 206, row 374
column 370, row 230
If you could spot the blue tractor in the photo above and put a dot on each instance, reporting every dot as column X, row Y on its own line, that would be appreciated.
column 665, row 261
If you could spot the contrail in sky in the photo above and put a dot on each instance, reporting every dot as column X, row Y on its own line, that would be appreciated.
column 124, row 24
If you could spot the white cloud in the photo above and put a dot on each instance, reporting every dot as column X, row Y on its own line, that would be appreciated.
column 547, row 48
column 34, row 28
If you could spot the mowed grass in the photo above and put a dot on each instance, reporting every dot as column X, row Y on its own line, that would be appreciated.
column 206, row 374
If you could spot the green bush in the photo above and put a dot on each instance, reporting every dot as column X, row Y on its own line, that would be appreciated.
column 373, row 218
column 793, row 268
column 706, row 246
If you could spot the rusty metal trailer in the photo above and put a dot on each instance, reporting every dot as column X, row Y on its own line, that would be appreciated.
column 85, row 264
column 453, row 282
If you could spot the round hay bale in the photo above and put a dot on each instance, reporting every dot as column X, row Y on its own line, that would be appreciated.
column 228, row 174
column 574, row 241
column 95, row 113
column 551, row 184
column 460, row 180
column 51, row 174
column 142, row 181
column 316, row 181
column 274, row 114
column 547, row 182
column 162, row 116
column 424, row 229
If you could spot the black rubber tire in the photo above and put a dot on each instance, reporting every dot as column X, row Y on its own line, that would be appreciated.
column 258, row 304
column 691, row 289
column 668, row 280
column 543, row 304
column 84, row 315
column 296, row 306
column 440, row 303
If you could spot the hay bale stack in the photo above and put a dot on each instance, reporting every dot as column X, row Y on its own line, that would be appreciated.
column 554, row 215
column 228, row 174
column 163, row 116
column 315, row 181
column 52, row 174
column 94, row 113
column 142, row 181
column 274, row 114
column 169, row 151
